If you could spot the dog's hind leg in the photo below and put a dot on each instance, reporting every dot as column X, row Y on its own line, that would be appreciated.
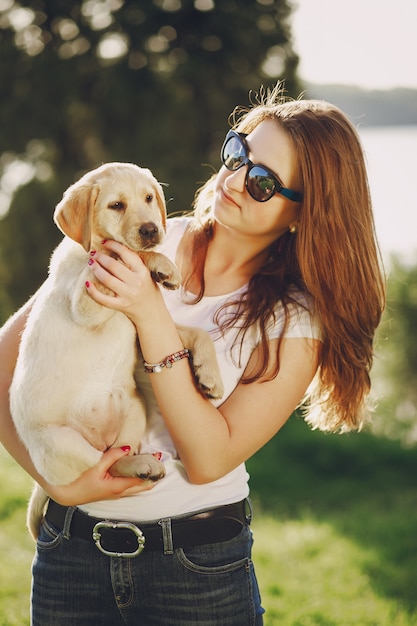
column 60, row 453
column 144, row 466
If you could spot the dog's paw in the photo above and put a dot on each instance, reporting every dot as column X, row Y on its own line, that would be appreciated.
column 162, row 269
column 168, row 281
column 149, row 468
column 208, row 379
column 203, row 360
column 144, row 466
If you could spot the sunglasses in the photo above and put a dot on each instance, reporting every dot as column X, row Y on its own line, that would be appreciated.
column 260, row 182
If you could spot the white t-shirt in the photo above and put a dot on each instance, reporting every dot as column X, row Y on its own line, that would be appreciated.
column 174, row 494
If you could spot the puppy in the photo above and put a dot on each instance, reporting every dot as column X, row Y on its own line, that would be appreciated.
column 73, row 394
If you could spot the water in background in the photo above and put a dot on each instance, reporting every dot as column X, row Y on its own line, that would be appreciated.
column 391, row 153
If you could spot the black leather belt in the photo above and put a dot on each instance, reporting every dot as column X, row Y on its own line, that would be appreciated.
column 129, row 539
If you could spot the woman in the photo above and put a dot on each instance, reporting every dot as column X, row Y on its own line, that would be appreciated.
column 280, row 264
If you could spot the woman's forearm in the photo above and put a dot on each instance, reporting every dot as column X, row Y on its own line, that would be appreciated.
column 199, row 430
column 213, row 441
column 8, row 435
column 9, row 347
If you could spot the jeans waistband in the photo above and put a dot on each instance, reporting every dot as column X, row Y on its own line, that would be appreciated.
column 129, row 539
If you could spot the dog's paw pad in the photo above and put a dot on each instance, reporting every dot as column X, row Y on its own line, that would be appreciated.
column 214, row 393
column 169, row 282
column 207, row 382
column 152, row 470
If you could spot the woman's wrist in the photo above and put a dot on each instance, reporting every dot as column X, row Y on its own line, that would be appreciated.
column 157, row 333
column 168, row 361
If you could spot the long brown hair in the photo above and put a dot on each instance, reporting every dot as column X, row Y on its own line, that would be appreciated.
column 334, row 255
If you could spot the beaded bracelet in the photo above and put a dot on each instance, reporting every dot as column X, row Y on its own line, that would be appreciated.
column 156, row 368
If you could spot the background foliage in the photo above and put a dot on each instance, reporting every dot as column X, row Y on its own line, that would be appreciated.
column 85, row 82
column 395, row 368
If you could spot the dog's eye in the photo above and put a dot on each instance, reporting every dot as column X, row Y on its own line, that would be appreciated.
column 117, row 206
column 149, row 198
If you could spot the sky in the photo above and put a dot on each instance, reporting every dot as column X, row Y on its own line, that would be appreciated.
column 368, row 43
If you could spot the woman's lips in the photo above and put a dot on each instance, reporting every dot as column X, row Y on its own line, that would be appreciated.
column 228, row 198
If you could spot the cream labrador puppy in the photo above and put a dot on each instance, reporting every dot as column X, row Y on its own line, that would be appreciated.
column 73, row 393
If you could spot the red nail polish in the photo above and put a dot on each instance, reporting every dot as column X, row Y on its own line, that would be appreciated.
column 87, row 283
column 92, row 252
column 125, row 448
column 90, row 261
column 157, row 455
column 104, row 241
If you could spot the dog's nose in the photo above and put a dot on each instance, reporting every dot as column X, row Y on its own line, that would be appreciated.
column 149, row 231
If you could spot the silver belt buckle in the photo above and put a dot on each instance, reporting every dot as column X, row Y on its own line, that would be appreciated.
column 126, row 525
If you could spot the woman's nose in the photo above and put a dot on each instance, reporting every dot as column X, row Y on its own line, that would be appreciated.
column 236, row 179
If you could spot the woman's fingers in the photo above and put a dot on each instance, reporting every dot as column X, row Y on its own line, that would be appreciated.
column 124, row 276
column 103, row 264
column 130, row 259
column 122, row 486
column 97, row 483
column 120, row 249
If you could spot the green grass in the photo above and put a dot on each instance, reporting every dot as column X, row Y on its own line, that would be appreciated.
column 16, row 547
column 335, row 531
column 335, row 537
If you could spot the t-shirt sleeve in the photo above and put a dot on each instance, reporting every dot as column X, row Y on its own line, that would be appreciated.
column 302, row 321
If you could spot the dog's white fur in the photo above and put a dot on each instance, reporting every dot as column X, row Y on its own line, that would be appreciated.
column 73, row 393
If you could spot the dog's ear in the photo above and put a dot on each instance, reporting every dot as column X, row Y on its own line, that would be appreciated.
column 73, row 215
column 160, row 198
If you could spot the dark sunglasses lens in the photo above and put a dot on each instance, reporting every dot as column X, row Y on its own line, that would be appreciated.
column 261, row 184
column 233, row 153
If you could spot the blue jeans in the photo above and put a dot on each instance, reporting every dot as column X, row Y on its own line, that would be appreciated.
column 210, row 585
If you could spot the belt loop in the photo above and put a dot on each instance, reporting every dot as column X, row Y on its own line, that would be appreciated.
column 67, row 522
column 248, row 511
column 167, row 535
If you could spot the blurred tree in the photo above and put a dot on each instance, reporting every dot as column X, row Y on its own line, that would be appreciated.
column 395, row 373
column 88, row 81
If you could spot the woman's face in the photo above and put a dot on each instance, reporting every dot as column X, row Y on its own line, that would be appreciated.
column 269, row 145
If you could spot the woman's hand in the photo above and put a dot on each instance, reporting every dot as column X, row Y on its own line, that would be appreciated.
column 98, row 484
column 127, row 277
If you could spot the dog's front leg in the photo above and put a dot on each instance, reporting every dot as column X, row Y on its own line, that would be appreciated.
column 204, row 360
column 84, row 310
column 162, row 269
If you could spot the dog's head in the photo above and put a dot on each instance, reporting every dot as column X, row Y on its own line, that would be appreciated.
column 119, row 201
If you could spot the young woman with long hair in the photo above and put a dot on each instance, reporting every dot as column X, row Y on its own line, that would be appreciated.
column 281, row 266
